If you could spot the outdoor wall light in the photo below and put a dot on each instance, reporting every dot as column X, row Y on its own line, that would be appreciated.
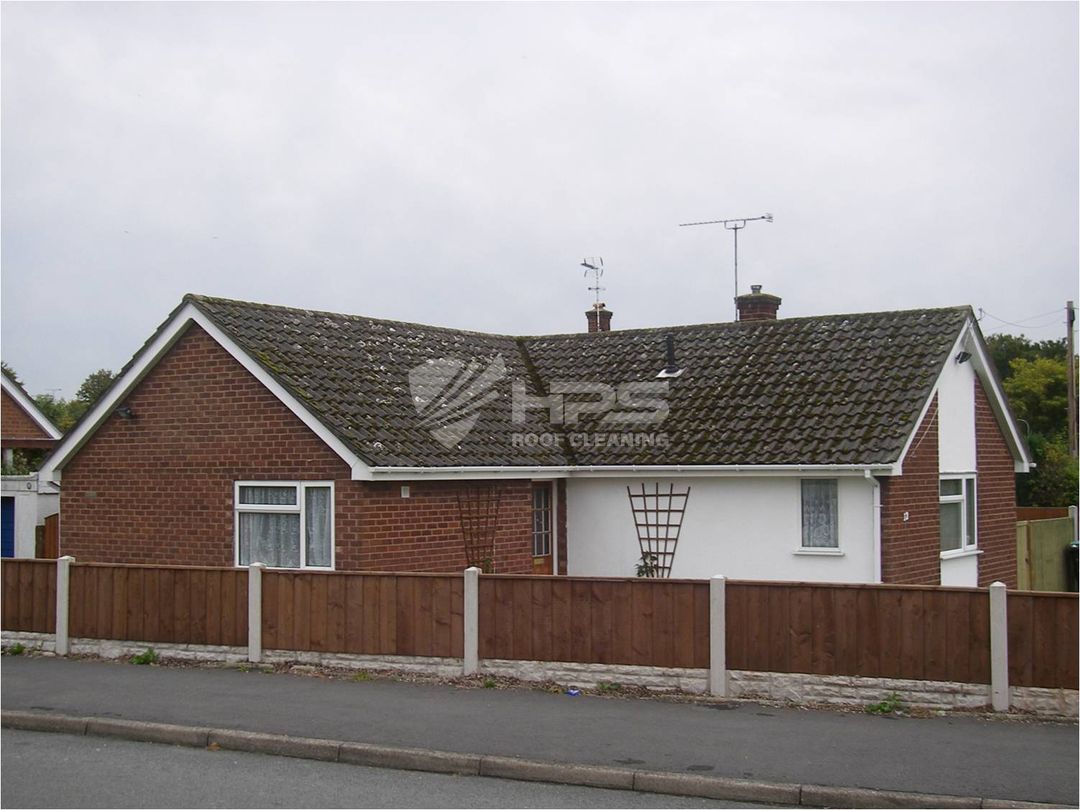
column 125, row 412
column 963, row 357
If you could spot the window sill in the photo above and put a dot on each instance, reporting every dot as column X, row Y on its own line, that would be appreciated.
column 819, row 552
column 960, row 553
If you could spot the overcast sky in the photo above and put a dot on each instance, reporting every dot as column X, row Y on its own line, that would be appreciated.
column 452, row 164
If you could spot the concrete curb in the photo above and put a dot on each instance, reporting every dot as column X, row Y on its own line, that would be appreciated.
column 34, row 721
column 409, row 759
column 141, row 731
column 532, row 771
column 417, row 759
column 822, row 796
column 277, row 744
column 715, row 787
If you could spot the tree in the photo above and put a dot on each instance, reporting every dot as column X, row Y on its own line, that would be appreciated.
column 1055, row 480
column 64, row 413
column 54, row 409
column 94, row 386
column 10, row 372
column 1037, row 390
column 1034, row 376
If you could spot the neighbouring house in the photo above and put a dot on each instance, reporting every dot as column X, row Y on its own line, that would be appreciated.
column 24, row 501
column 851, row 448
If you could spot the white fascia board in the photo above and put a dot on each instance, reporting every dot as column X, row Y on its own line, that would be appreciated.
column 30, row 407
column 620, row 471
column 968, row 341
column 957, row 345
column 150, row 356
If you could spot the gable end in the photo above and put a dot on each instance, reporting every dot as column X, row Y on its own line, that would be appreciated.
column 147, row 359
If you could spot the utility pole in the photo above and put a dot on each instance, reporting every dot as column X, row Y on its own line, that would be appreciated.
column 1070, row 321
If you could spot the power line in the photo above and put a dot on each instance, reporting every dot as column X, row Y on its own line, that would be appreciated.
column 1023, row 323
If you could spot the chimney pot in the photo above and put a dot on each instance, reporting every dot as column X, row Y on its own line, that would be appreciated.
column 757, row 306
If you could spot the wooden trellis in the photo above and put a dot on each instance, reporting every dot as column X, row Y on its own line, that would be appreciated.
column 658, row 517
column 479, row 511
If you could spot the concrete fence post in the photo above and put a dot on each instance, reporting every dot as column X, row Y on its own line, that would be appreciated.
column 999, row 648
column 63, row 604
column 471, row 613
column 255, row 572
column 1072, row 517
column 718, row 636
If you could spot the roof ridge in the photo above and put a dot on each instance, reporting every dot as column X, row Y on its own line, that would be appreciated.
column 212, row 300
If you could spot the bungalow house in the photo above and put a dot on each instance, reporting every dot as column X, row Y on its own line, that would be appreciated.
column 24, row 504
column 848, row 448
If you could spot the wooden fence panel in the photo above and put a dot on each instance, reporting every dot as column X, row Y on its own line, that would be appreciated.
column 369, row 614
column 50, row 545
column 159, row 604
column 1043, row 647
column 29, row 601
column 915, row 632
column 602, row 621
column 867, row 630
column 1041, row 512
column 1040, row 554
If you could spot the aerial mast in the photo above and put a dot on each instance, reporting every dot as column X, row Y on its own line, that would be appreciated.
column 595, row 265
column 733, row 225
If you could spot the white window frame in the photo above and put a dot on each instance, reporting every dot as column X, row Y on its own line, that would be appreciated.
column 824, row 551
column 970, row 481
column 291, row 509
column 549, row 486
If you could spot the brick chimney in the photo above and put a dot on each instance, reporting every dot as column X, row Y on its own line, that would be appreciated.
column 757, row 306
column 599, row 318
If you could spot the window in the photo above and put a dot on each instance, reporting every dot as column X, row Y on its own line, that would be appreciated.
column 819, row 513
column 956, row 496
column 285, row 524
column 541, row 520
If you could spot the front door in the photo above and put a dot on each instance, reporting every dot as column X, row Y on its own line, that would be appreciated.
column 543, row 523
column 7, row 527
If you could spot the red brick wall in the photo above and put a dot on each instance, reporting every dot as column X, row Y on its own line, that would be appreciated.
column 910, row 551
column 423, row 532
column 159, row 488
column 16, row 423
column 996, row 495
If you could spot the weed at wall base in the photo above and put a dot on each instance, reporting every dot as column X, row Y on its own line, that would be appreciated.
column 150, row 656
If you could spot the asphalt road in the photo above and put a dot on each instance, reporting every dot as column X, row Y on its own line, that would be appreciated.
column 57, row 770
column 967, row 756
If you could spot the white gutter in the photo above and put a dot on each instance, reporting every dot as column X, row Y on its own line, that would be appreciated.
column 877, row 524
column 601, row 471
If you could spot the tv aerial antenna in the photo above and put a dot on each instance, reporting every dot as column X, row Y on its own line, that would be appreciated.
column 595, row 265
column 733, row 225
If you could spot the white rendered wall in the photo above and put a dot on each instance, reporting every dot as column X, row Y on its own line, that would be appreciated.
column 956, row 418
column 741, row 527
column 956, row 450
column 960, row 572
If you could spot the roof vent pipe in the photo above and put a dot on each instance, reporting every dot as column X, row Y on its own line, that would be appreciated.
column 672, row 368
